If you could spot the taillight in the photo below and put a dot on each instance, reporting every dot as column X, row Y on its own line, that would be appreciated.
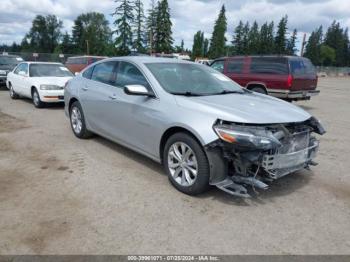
column 289, row 81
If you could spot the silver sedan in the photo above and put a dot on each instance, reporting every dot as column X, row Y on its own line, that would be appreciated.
column 203, row 127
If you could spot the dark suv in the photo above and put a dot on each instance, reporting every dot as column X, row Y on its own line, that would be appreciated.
column 287, row 77
column 7, row 64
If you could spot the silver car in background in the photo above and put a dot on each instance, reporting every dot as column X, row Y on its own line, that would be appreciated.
column 203, row 127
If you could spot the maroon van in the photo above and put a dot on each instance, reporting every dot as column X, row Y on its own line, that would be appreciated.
column 286, row 77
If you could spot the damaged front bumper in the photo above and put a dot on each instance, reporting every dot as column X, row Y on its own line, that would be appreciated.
column 233, row 167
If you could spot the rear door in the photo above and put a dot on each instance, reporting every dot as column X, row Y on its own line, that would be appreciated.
column 271, row 71
column 95, row 95
column 234, row 69
column 303, row 73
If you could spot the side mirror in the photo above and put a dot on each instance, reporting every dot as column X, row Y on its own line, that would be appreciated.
column 137, row 90
column 22, row 73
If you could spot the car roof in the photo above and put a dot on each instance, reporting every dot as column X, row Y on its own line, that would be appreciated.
column 45, row 63
column 147, row 59
column 258, row 56
column 87, row 56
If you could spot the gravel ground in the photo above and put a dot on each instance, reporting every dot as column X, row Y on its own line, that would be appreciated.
column 62, row 195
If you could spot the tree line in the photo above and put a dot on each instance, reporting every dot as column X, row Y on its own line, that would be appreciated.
column 92, row 34
column 151, row 31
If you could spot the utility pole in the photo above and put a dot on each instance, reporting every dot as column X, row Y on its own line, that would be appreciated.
column 303, row 45
column 87, row 47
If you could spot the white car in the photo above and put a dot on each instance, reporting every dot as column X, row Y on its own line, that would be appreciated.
column 42, row 82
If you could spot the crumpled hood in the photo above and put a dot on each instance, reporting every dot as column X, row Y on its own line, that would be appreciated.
column 59, row 81
column 245, row 108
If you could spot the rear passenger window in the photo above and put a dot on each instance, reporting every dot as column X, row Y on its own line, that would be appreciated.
column 128, row 74
column 309, row 67
column 218, row 66
column 104, row 73
column 235, row 66
column 269, row 65
column 297, row 67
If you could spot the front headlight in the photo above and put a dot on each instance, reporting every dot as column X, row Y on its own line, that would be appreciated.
column 2, row 72
column 245, row 138
column 50, row 87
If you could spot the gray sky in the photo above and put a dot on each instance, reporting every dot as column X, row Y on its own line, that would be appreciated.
column 188, row 16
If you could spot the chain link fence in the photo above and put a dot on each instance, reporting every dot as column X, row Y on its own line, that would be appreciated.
column 325, row 71
column 42, row 57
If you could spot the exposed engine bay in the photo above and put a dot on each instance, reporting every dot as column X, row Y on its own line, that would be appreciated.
column 253, row 155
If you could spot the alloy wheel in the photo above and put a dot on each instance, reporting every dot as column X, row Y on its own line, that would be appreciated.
column 182, row 164
column 76, row 120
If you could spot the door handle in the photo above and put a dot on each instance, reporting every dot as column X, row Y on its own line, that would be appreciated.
column 84, row 88
column 113, row 97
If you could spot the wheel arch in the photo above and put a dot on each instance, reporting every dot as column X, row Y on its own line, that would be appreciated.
column 250, row 85
column 71, row 101
column 32, row 88
column 171, row 131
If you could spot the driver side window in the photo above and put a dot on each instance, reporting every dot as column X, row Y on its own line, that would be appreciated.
column 128, row 74
column 22, row 67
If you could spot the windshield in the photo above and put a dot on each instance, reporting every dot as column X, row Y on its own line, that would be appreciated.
column 10, row 60
column 192, row 79
column 55, row 70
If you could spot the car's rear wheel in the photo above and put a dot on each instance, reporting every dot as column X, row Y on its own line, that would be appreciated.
column 258, row 89
column 186, row 164
column 77, row 121
column 36, row 99
column 13, row 94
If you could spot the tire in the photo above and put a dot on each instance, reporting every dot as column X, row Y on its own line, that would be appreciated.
column 258, row 89
column 180, row 174
column 77, row 121
column 36, row 99
column 13, row 94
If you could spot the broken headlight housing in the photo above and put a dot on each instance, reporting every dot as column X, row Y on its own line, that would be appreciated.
column 246, row 136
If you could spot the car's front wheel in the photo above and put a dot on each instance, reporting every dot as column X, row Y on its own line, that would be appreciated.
column 36, row 99
column 186, row 164
column 13, row 94
column 77, row 121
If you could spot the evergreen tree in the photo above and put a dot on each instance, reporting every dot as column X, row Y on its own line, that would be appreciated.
column 139, row 43
column 182, row 46
column 254, row 39
column 346, row 47
column 291, row 43
column 151, row 24
column 238, row 39
column 124, row 18
column 313, row 46
column 218, row 40
column 91, row 31
column 280, row 39
column 198, row 45
column 245, row 39
column 335, row 38
column 264, row 47
column 205, row 47
column 163, row 33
